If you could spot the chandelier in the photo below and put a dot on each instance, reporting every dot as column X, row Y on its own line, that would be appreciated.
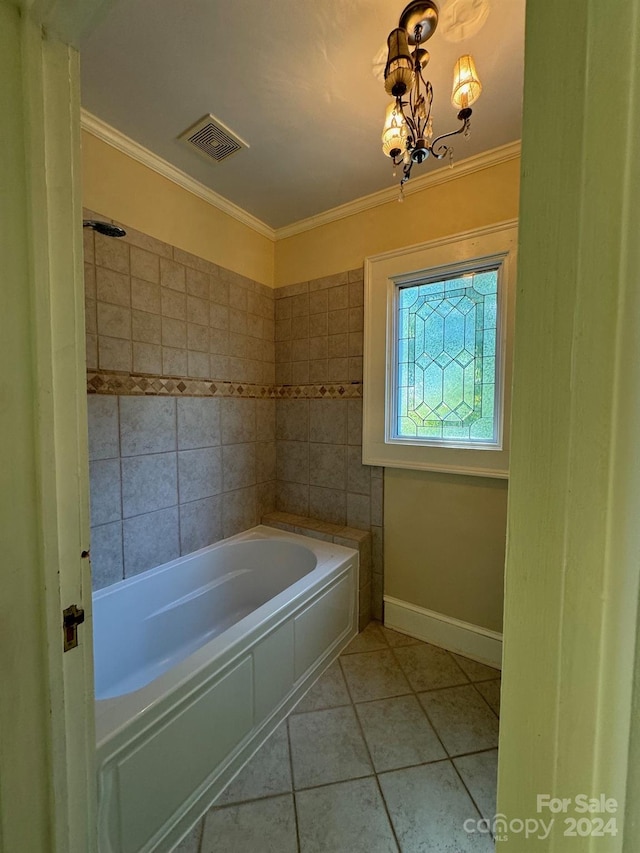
column 407, row 136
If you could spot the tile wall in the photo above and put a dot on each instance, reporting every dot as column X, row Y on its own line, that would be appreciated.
column 319, row 332
column 170, row 474
column 152, row 308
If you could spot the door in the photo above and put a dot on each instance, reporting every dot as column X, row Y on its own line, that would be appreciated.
column 47, row 744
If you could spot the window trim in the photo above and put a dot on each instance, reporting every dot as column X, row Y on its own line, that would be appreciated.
column 472, row 249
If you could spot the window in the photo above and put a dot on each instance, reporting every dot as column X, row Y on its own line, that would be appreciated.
column 435, row 390
column 444, row 371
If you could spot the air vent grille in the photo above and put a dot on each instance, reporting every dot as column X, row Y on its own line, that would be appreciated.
column 211, row 138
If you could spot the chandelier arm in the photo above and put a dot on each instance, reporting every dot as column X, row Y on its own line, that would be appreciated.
column 437, row 149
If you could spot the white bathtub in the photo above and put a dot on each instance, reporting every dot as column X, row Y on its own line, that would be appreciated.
column 196, row 664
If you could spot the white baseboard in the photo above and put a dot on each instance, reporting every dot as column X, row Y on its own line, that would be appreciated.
column 466, row 639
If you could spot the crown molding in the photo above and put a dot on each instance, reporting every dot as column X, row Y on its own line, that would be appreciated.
column 493, row 157
column 100, row 129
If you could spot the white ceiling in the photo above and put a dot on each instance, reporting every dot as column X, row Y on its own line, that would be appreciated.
column 295, row 79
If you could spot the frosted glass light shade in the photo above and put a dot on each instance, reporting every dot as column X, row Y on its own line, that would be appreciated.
column 398, row 74
column 466, row 84
column 394, row 132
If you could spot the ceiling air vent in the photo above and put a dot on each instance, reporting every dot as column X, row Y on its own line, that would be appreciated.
column 213, row 139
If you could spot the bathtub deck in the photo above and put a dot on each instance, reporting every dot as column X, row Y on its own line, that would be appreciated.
column 395, row 744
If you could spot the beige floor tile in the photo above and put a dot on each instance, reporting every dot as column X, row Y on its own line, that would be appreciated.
column 374, row 675
column 395, row 638
column 428, row 807
column 349, row 817
column 462, row 719
column 329, row 691
column 327, row 746
column 398, row 733
column 266, row 774
column 268, row 826
column 491, row 692
column 371, row 639
column 480, row 775
column 476, row 671
column 428, row 667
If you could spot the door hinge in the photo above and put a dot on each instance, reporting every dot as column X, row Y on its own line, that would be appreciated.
column 71, row 618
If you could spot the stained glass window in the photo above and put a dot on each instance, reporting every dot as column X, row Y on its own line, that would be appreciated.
column 446, row 360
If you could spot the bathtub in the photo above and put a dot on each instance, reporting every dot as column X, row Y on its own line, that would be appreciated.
column 197, row 662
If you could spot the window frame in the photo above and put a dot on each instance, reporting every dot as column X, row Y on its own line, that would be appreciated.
column 495, row 246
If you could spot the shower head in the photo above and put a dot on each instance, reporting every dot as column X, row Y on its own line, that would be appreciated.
column 104, row 228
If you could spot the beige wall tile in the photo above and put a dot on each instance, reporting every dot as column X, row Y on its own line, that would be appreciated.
column 292, row 289
column 111, row 253
column 145, row 265
column 174, row 333
column 218, row 342
column 356, row 319
column 90, row 281
column 355, row 369
column 253, row 325
column 328, row 281
column 283, row 308
column 198, row 364
column 318, row 302
column 219, row 366
column 300, row 350
column 197, row 283
column 283, row 329
column 219, row 316
column 113, row 287
column 90, row 317
column 300, row 327
column 300, row 305
column 318, row 325
column 339, row 297
column 338, row 370
column 219, row 290
column 91, row 352
column 237, row 297
column 173, row 303
column 114, row 320
column 174, row 361
column 114, row 354
column 338, row 321
column 88, row 243
column 145, row 296
column 147, row 358
column 172, row 275
column 356, row 294
column 198, row 337
column 194, row 261
column 299, row 372
column 145, row 327
column 318, row 370
column 355, row 343
column 356, row 275
column 283, row 373
column 338, row 346
column 143, row 241
column 198, row 310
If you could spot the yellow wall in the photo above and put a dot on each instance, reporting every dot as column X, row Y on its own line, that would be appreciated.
column 444, row 543
column 444, row 534
column 471, row 201
column 123, row 189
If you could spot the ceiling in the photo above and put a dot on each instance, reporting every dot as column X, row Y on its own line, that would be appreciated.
column 295, row 79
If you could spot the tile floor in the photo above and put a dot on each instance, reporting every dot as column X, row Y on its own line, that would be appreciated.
column 390, row 750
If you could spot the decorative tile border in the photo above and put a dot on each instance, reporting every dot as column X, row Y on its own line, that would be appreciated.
column 125, row 384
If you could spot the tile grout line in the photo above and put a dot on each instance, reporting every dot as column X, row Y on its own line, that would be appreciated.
column 373, row 767
column 293, row 787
